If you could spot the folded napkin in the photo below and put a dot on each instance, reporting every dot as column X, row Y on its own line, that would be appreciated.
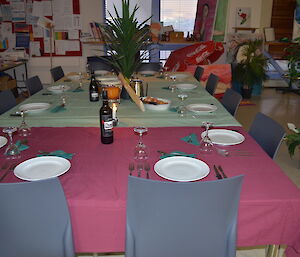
column 21, row 145
column 58, row 153
column 191, row 139
column 173, row 109
column 160, row 77
column 176, row 153
column 58, row 108
column 78, row 89
column 166, row 88
column 147, row 75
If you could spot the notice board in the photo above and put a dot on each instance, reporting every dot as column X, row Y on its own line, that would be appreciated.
column 20, row 22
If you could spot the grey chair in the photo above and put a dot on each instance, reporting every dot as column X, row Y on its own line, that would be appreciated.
column 267, row 133
column 57, row 73
column 198, row 73
column 231, row 101
column 211, row 84
column 99, row 63
column 7, row 101
column 34, row 220
column 149, row 66
column 33, row 85
column 182, row 219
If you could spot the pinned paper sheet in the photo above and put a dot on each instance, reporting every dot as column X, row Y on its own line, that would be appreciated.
column 35, row 48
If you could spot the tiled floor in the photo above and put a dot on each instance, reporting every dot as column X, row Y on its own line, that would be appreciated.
column 283, row 108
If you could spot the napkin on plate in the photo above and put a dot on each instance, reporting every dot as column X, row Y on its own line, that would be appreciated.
column 58, row 153
column 176, row 153
column 58, row 108
column 191, row 139
column 21, row 145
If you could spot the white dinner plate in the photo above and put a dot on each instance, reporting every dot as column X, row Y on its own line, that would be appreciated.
column 180, row 76
column 224, row 137
column 201, row 108
column 34, row 107
column 181, row 168
column 101, row 72
column 147, row 72
column 186, row 87
column 42, row 168
column 106, row 78
column 58, row 89
column 74, row 77
column 3, row 141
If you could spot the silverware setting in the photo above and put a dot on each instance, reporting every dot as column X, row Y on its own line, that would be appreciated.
column 131, row 168
column 139, row 169
column 147, row 169
column 234, row 152
column 220, row 174
column 11, row 168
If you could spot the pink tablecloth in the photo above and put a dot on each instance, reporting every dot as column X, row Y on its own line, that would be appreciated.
column 95, row 186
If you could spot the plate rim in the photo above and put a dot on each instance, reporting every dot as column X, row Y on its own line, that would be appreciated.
column 58, row 90
column 181, row 157
column 227, row 130
column 42, row 157
column 194, row 86
column 215, row 108
column 36, row 110
column 1, row 145
column 148, row 72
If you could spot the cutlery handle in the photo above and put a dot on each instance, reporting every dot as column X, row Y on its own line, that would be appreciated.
column 218, row 175
column 223, row 173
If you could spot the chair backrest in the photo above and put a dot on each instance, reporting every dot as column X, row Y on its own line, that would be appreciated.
column 149, row 66
column 198, row 73
column 34, row 220
column 267, row 133
column 57, row 73
column 212, row 83
column 7, row 101
column 33, row 85
column 172, row 219
column 99, row 63
column 231, row 101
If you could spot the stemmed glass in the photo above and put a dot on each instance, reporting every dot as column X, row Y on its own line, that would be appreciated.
column 140, row 150
column 12, row 151
column 181, row 109
column 24, row 130
column 206, row 145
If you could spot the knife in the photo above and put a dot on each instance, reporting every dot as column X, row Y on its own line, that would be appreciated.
column 218, row 175
column 223, row 173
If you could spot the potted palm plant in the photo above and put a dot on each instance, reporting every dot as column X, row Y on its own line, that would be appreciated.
column 293, row 140
column 125, row 39
column 250, row 70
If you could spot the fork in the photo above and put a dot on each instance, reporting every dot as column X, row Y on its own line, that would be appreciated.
column 11, row 168
column 222, row 172
column 139, row 168
column 131, row 168
column 147, row 168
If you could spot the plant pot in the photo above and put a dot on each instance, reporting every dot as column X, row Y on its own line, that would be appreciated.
column 246, row 93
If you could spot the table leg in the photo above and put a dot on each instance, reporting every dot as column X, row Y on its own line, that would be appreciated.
column 272, row 250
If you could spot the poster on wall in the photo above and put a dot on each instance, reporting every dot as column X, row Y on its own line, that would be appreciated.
column 296, row 29
column 205, row 19
column 243, row 17
column 221, row 21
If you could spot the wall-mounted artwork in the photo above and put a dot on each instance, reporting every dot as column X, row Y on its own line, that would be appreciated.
column 243, row 17
column 221, row 20
column 205, row 19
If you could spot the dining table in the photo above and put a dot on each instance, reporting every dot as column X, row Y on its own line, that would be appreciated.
column 96, row 183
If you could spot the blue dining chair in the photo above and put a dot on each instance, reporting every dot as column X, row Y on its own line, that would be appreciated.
column 99, row 63
column 33, row 85
column 198, row 73
column 267, row 133
column 34, row 220
column 149, row 66
column 211, row 84
column 182, row 219
column 231, row 101
column 57, row 73
column 7, row 101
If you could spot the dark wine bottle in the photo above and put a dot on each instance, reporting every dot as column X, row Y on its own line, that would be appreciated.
column 94, row 94
column 106, row 121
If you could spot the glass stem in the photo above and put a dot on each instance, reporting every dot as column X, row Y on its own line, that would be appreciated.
column 10, row 138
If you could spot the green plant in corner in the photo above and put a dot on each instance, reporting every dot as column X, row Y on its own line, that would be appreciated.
column 293, row 57
column 292, row 140
column 251, row 66
column 125, row 38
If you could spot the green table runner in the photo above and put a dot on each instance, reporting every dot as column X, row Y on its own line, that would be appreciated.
column 80, row 112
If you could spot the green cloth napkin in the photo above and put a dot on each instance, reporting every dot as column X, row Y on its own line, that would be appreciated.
column 173, row 109
column 58, row 153
column 21, row 146
column 78, row 89
column 147, row 75
column 166, row 88
column 58, row 108
column 191, row 139
column 160, row 77
column 177, row 153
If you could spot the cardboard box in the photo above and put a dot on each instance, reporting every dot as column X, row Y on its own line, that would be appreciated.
column 8, row 83
column 176, row 36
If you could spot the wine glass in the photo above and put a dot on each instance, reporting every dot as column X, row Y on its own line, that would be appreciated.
column 140, row 150
column 206, row 145
column 24, row 130
column 181, row 109
column 12, row 151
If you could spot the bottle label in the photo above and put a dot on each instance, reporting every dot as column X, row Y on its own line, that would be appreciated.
column 108, row 125
column 94, row 94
